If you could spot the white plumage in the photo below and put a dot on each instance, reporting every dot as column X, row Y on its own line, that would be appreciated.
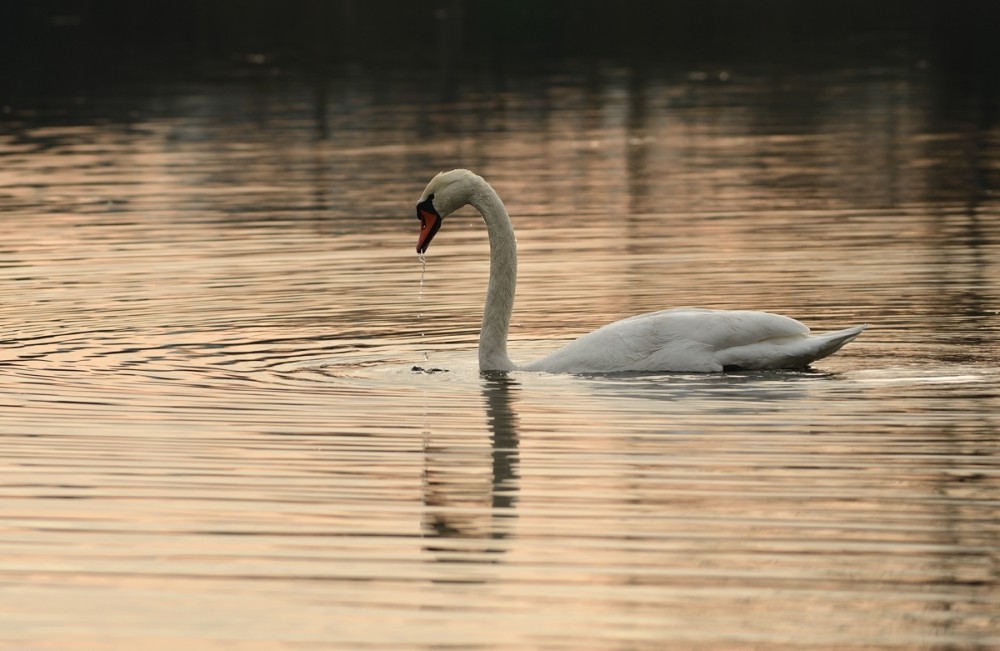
column 682, row 339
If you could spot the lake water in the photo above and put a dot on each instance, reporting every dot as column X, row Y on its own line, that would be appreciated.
column 212, row 435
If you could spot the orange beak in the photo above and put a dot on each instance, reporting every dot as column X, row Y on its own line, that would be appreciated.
column 430, row 222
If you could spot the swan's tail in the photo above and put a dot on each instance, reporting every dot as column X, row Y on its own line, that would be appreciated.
column 790, row 352
column 831, row 342
column 797, row 351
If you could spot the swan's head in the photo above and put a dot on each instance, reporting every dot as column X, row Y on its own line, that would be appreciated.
column 446, row 193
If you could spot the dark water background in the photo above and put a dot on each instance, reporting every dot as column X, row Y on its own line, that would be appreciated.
column 211, row 432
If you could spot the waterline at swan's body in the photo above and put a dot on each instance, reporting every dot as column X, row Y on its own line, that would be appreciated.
column 683, row 339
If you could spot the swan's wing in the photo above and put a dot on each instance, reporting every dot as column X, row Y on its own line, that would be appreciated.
column 720, row 329
column 690, row 339
column 685, row 339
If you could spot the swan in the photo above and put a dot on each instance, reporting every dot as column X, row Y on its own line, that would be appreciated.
column 674, row 340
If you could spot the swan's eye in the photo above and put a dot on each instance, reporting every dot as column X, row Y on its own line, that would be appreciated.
column 430, row 197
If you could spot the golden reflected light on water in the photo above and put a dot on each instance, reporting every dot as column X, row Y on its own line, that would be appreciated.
column 212, row 435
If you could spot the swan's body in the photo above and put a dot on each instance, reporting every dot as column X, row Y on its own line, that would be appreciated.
column 684, row 339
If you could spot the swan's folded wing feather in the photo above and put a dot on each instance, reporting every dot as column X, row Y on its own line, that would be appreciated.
column 691, row 339
column 684, row 339
column 721, row 329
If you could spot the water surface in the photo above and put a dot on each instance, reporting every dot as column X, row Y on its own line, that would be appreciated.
column 212, row 434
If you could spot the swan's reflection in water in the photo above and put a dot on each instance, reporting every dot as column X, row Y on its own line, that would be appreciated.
column 470, row 487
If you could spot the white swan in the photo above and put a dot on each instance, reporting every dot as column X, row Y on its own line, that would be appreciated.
column 683, row 339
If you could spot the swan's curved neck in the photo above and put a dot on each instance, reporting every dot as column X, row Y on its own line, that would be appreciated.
column 503, row 280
